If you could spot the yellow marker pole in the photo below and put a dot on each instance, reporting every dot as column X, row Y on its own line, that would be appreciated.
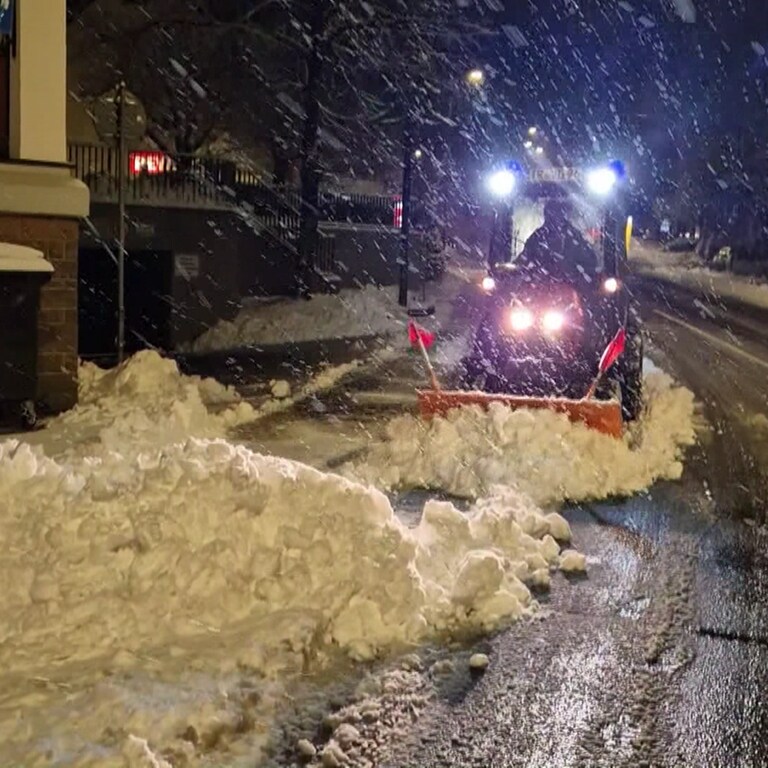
column 628, row 234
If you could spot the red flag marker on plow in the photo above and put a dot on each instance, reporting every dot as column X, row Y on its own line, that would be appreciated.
column 416, row 335
column 422, row 339
column 612, row 353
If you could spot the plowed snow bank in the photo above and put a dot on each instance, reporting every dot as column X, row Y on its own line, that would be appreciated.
column 151, row 551
column 146, row 401
column 539, row 453
column 142, row 563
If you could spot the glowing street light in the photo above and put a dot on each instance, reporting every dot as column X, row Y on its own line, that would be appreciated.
column 475, row 77
column 528, row 144
column 533, row 130
column 539, row 150
column 418, row 154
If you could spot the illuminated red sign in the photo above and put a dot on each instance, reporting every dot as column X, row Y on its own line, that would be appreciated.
column 148, row 162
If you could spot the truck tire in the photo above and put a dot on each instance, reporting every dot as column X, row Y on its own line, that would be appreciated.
column 469, row 371
column 630, row 369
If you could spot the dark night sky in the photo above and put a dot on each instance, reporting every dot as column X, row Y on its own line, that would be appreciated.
column 659, row 83
column 639, row 79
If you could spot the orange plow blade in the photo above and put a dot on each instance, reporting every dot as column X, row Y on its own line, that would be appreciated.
column 601, row 415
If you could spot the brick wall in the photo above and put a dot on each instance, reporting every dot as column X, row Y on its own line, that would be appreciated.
column 57, row 324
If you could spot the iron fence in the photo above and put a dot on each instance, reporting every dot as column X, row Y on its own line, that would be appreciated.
column 160, row 178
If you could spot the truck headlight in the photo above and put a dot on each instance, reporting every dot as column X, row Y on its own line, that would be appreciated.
column 553, row 321
column 521, row 319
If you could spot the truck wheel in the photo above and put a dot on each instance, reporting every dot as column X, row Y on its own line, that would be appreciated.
column 631, row 370
column 472, row 374
column 476, row 375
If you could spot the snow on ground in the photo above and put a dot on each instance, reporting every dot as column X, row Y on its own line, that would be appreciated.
column 204, row 555
column 353, row 312
column 686, row 270
column 146, row 400
column 146, row 571
column 368, row 311
column 380, row 712
column 163, row 583
column 208, row 555
column 539, row 453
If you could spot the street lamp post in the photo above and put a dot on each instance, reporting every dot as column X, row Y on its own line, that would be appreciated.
column 122, row 162
column 405, row 226
column 120, row 119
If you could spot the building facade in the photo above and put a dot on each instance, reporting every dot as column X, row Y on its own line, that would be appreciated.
column 41, row 202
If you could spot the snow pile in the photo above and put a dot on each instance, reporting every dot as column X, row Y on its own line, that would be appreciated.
column 206, row 554
column 147, row 400
column 154, row 549
column 540, row 453
column 280, row 389
column 368, row 311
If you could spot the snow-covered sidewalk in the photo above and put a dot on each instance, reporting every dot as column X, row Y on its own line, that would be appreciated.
column 352, row 313
column 686, row 269
column 368, row 311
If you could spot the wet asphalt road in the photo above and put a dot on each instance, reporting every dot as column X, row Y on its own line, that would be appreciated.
column 660, row 657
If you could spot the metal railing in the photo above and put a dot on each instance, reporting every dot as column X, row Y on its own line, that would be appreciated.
column 157, row 177
column 161, row 178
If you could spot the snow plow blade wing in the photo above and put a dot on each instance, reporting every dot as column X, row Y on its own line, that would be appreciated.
column 601, row 415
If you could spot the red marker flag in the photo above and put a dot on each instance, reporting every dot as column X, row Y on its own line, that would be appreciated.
column 416, row 334
column 613, row 351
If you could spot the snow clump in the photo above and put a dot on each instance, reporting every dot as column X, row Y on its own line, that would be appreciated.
column 280, row 389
